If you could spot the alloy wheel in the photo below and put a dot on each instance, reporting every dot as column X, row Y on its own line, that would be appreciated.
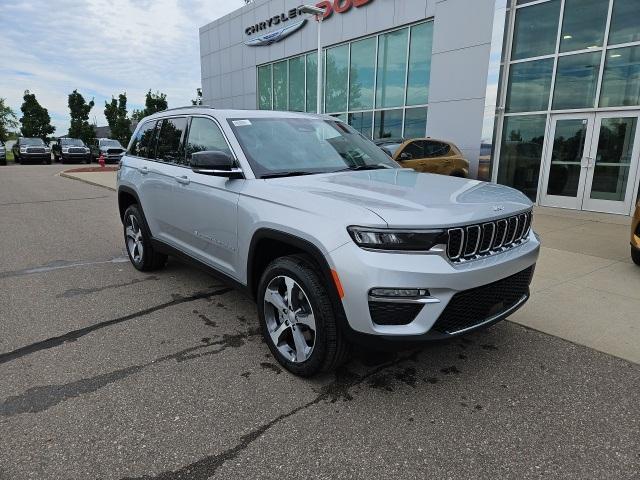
column 289, row 318
column 135, row 244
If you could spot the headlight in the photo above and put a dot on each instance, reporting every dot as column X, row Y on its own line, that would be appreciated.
column 65, row 150
column 86, row 150
column 23, row 149
column 383, row 239
column 47, row 150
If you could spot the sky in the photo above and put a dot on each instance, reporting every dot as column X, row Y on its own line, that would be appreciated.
column 102, row 48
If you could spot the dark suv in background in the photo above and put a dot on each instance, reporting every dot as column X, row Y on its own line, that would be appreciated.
column 3, row 153
column 112, row 150
column 71, row 150
column 31, row 150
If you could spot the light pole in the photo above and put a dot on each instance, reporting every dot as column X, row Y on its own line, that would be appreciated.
column 319, row 14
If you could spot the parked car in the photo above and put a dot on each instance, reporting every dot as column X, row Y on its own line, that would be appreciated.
column 3, row 153
column 31, row 150
column 427, row 155
column 112, row 150
column 334, row 241
column 635, row 235
column 73, row 150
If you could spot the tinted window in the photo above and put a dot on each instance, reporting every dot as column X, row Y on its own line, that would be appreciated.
column 205, row 135
column 413, row 151
column 435, row 149
column 170, row 147
column 143, row 144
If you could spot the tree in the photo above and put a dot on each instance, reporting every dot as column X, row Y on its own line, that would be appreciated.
column 8, row 120
column 153, row 103
column 116, row 114
column 198, row 99
column 80, row 126
column 35, row 120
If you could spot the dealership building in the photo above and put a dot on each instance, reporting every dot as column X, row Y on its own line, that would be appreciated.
column 540, row 95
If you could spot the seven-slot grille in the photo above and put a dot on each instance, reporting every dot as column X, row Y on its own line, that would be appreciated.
column 76, row 150
column 474, row 241
column 35, row 149
column 114, row 151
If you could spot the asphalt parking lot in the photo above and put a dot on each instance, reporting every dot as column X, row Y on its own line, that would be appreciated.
column 110, row 373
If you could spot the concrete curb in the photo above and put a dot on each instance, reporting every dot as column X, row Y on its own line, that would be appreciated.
column 96, row 184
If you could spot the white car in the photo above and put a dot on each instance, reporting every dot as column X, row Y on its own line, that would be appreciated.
column 335, row 242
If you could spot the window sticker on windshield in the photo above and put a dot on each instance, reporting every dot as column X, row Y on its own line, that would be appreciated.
column 241, row 123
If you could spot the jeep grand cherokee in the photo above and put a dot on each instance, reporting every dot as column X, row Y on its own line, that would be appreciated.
column 333, row 240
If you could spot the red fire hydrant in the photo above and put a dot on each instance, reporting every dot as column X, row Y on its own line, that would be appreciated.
column 101, row 160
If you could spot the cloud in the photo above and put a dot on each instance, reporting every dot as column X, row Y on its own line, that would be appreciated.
column 102, row 48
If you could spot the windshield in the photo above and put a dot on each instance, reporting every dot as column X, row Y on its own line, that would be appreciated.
column 304, row 146
column 110, row 143
column 74, row 142
column 31, row 141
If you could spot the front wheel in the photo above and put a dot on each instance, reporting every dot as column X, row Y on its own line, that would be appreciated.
column 138, row 242
column 297, row 317
column 635, row 255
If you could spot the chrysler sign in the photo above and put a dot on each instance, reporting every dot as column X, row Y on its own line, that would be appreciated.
column 287, row 25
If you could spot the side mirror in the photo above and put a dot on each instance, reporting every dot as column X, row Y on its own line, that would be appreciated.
column 216, row 163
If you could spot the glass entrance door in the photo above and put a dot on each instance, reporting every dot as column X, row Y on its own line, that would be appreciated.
column 613, row 163
column 591, row 161
column 566, row 160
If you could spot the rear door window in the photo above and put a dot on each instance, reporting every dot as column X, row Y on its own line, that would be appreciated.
column 413, row 151
column 205, row 135
column 143, row 144
column 170, row 147
column 436, row 149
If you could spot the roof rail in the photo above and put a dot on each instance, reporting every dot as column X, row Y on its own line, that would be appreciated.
column 184, row 107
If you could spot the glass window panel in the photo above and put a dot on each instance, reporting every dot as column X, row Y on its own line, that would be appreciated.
column 613, row 159
column 529, row 86
column 392, row 68
column 336, row 79
column 362, row 122
column 170, row 146
column 625, row 25
column 576, row 79
column 521, row 152
column 205, row 135
column 566, row 157
column 415, row 122
column 296, row 84
column 264, row 88
column 419, row 64
column 535, row 30
column 280, row 86
column 583, row 24
column 388, row 124
column 312, row 82
column 621, row 78
column 362, row 74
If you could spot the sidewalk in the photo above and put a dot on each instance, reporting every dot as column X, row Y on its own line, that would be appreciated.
column 586, row 289
column 106, row 178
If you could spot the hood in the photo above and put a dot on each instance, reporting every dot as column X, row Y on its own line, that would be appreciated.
column 408, row 199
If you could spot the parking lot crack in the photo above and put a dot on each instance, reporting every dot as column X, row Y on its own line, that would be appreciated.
column 72, row 292
column 81, row 332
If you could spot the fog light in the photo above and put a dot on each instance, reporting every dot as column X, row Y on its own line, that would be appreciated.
column 398, row 292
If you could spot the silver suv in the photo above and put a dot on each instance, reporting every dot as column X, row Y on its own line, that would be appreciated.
column 334, row 241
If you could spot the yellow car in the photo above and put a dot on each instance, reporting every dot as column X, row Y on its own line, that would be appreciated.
column 427, row 155
column 635, row 235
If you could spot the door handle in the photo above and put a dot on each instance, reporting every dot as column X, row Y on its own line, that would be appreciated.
column 144, row 170
column 183, row 180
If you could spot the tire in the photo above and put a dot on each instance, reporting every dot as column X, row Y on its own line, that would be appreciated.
column 324, row 349
column 635, row 255
column 137, row 241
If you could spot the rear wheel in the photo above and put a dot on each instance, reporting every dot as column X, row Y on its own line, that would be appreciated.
column 138, row 242
column 297, row 317
column 635, row 255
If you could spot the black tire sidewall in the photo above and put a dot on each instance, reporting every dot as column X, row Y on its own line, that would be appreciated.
column 315, row 291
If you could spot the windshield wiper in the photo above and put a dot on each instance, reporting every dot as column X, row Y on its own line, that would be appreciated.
column 363, row 167
column 285, row 174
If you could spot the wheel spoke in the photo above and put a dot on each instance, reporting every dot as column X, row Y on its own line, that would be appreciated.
column 307, row 319
column 301, row 345
column 290, row 284
column 140, row 248
column 130, row 233
column 277, row 333
column 275, row 299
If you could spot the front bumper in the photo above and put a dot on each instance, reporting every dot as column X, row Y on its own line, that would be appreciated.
column 35, row 157
column 75, row 157
column 362, row 270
